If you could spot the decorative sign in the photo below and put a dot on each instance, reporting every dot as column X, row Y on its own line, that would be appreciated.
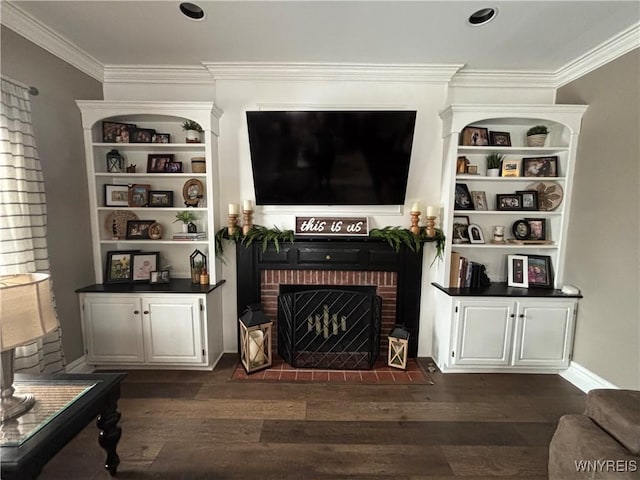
column 357, row 226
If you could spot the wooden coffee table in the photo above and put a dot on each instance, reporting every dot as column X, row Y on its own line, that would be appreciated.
column 65, row 404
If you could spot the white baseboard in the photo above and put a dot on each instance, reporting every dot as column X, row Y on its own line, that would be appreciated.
column 585, row 379
column 79, row 365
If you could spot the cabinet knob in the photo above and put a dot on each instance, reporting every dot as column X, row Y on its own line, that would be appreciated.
column 136, row 312
column 513, row 315
column 328, row 257
column 522, row 315
column 146, row 312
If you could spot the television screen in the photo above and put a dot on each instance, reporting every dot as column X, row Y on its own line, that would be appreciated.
column 330, row 157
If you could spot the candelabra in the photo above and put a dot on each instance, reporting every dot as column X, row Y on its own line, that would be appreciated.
column 430, row 226
column 247, row 217
column 415, row 219
column 233, row 224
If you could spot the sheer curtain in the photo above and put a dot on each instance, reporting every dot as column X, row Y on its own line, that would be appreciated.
column 23, row 215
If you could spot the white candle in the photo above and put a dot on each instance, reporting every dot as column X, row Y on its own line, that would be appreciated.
column 233, row 209
column 415, row 207
column 432, row 211
column 247, row 205
column 256, row 340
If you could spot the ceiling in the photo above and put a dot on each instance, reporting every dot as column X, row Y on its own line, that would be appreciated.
column 525, row 35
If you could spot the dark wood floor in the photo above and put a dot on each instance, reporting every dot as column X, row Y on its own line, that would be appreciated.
column 202, row 425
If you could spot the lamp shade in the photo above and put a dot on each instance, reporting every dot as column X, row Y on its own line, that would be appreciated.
column 26, row 309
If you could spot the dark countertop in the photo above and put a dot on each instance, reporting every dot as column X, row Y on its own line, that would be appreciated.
column 502, row 290
column 178, row 285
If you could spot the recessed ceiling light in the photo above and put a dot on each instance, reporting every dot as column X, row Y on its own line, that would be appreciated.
column 482, row 16
column 191, row 10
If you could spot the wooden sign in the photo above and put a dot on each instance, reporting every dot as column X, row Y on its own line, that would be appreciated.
column 357, row 226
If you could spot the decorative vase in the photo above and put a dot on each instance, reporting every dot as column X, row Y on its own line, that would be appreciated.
column 185, row 228
column 192, row 136
column 493, row 172
column 536, row 140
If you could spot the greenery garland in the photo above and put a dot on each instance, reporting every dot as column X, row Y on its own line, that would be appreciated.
column 397, row 236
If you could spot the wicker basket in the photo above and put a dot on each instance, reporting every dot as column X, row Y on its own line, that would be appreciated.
column 198, row 165
column 536, row 140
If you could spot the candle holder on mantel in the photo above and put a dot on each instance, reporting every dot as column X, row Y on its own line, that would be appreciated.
column 430, row 226
column 415, row 220
column 233, row 224
column 247, row 217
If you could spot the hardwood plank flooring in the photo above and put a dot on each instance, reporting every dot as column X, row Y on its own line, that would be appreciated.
column 204, row 425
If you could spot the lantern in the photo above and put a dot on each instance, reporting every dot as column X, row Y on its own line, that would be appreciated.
column 255, row 339
column 198, row 262
column 115, row 162
column 398, row 347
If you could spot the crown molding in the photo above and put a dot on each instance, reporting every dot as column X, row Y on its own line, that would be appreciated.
column 604, row 53
column 38, row 33
column 174, row 74
column 504, row 79
column 420, row 73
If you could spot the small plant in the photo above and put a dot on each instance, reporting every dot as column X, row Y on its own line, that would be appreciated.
column 494, row 160
column 185, row 217
column 191, row 125
column 538, row 130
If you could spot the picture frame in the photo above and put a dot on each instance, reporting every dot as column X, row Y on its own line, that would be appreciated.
column 462, row 197
column 159, row 276
column 540, row 166
column 160, row 198
column 529, row 199
column 511, row 167
column 117, row 132
column 479, row 200
column 460, row 233
column 475, row 233
column 118, row 266
column 537, row 228
column 474, row 136
column 540, row 271
column 139, row 194
column 142, row 264
column 157, row 162
column 472, row 170
column 518, row 271
column 138, row 229
column 521, row 230
column 192, row 192
column 161, row 138
column 142, row 135
column 116, row 195
column 500, row 139
column 174, row 167
column 508, row 202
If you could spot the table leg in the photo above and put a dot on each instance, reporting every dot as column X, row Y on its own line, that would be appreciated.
column 110, row 431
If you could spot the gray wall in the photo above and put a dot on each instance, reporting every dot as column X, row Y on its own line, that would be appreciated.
column 604, row 229
column 58, row 132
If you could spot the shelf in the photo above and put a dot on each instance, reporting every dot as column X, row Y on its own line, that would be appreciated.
column 151, row 175
column 151, row 146
column 459, row 213
column 534, row 151
column 505, row 246
column 482, row 178
column 157, row 242
column 154, row 209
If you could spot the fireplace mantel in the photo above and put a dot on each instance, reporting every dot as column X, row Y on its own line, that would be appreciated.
column 344, row 254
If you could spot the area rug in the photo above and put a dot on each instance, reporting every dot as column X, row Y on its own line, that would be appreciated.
column 381, row 374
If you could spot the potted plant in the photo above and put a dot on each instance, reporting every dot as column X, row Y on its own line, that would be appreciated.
column 187, row 218
column 494, row 160
column 537, row 135
column 193, row 131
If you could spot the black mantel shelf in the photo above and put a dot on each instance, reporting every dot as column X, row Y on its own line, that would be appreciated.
column 177, row 285
column 502, row 290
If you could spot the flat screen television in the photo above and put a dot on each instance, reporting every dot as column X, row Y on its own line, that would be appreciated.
column 330, row 157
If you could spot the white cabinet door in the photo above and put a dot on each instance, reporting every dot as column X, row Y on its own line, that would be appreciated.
column 173, row 329
column 544, row 333
column 113, row 329
column 483, row 332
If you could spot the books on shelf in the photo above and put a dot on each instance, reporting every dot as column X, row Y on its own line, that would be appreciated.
column 465, row 273
column 190, row 236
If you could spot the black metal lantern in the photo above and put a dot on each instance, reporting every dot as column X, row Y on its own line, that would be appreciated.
column 198, row 262
column 398, row 347
column 115, row 162
column 255, row 339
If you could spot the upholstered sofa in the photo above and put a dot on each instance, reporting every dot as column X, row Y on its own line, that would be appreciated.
column 603, row 443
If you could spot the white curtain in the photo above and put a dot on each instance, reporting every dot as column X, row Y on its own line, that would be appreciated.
column 23, row 215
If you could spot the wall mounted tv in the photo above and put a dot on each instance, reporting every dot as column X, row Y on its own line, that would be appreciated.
column 330, row 157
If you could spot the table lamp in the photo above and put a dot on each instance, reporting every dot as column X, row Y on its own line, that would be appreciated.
column 26, row 314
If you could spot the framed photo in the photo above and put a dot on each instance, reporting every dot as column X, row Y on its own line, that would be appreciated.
column 521, row 230
column 475, row 233
column 160, row 198
column 114, row 132
column 138, row 229
column 511, row 167
column 157, row 163
column 192, row 192
column 142, row 135
column 174, row 167
column 116, row 195
column 479, row 200
column 463, row 197
column 500, row 139
column 474, row 137
column 540, row 271
column 518, row 268
column 472, row 169
column 460, row 229
column 159, row 276
column 537, row 228
column 161, row 138
column 540, row 167
column 508, row 202
column 529, row 199
column 139, row 195
column 143, row 264
column 118, row 268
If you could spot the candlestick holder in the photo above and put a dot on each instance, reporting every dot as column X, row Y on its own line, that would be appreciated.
column 430, row 226
column 233, row 224
column 415, row 219
column 247, row 217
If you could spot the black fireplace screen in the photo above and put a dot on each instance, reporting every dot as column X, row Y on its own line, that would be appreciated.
column 333, row 328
